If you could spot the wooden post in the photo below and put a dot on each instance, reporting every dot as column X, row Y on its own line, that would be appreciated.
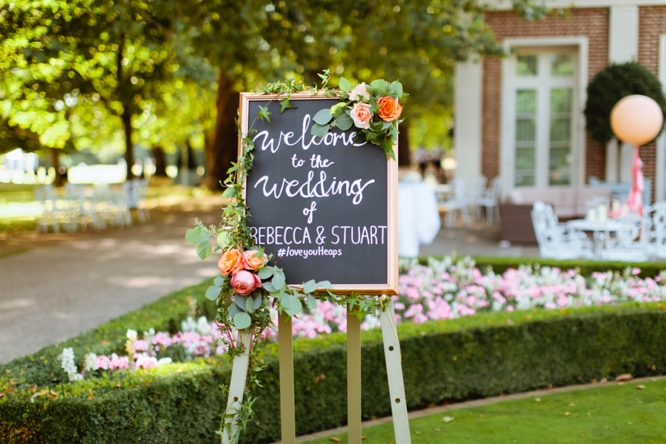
column 237, row 388
column 286, row 357
column 394, row 372
column 353, row 378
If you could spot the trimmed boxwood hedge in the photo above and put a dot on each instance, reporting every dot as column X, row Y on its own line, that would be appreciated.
column 585, row 267
column 472, row 357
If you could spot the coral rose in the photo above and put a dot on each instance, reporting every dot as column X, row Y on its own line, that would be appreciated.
column 252, row 260
column 361, row 115
column 231, row 261
column 360, row 92
column 389, row 108
column 245, row 282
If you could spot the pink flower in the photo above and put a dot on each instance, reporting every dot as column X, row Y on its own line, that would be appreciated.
column 245, row 282
column 140, row 345
column 635, row 271
column 361, row 115
column 145, row 362
column 118, row 362
column 103, row 362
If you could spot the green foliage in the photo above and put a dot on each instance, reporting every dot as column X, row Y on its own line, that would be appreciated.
column 466, row 358
column 586, row 267
column 610, row 85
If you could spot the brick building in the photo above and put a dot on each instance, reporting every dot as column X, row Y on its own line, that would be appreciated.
column 521, row 117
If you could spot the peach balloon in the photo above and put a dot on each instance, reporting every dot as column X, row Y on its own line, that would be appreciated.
column 636, row 119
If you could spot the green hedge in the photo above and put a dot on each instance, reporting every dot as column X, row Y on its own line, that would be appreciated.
column 585, row 267
column 478, row 356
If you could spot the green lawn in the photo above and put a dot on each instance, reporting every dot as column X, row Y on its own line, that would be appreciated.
column 607, row 414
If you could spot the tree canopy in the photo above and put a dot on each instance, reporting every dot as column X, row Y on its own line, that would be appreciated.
column 74, row 73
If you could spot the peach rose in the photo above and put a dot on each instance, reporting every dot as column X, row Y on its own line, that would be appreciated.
column 231, row 261
column 245, row 282
column 389, row 108
column 253, row 261
column 361, row 115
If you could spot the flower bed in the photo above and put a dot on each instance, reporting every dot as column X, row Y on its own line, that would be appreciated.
column 464, row 357
column 441, row 290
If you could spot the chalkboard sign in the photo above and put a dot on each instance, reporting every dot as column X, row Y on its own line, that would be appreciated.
column 325, row 208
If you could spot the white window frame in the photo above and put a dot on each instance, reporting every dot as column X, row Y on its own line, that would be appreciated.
column 660, row 159
column 507, row 107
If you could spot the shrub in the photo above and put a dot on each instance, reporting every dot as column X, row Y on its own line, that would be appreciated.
column 610, row 85
column 465, row 358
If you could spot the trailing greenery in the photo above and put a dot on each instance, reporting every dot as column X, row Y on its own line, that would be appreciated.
column 586, row 267
column 466, row 358
column 610, row 85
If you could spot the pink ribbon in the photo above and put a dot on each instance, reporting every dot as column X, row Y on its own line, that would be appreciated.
column 635, row 199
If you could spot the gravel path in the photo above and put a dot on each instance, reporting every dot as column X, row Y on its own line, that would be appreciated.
column 53, row 293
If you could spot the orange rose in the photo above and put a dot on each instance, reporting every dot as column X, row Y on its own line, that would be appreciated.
column 389, row 108
column 231, row 261
column 253, row 261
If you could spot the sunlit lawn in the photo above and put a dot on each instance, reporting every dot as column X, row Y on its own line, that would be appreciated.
column 607, row 414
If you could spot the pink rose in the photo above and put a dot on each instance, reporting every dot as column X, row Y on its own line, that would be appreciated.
column 361, row 115
column 245, row 282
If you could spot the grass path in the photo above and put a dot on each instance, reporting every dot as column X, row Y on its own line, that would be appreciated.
column 618, row 413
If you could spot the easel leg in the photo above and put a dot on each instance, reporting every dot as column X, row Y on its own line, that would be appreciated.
column 353, row 378
column 286, row 357
column 394, row 372
column 237, row 388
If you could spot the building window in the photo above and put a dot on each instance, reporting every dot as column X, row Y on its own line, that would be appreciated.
column 544, row 92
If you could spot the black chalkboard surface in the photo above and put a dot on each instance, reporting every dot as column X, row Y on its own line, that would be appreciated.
column 323, row 207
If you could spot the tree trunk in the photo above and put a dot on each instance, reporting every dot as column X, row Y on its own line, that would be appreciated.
column 224, row 147
column 129, row 148
column 55, row 163
column 160, row 161
column 404, row 153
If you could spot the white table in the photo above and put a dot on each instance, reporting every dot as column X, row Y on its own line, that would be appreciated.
column 600, row 230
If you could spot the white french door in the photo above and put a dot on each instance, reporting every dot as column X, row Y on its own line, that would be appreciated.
column 543, row 94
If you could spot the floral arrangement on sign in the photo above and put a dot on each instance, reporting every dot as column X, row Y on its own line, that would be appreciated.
column 248, row 287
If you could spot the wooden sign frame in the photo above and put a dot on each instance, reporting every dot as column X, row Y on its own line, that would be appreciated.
column 285, row 338
column 391, row 286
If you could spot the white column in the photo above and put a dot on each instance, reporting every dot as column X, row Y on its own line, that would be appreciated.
column 467, row 119
column 622, row 48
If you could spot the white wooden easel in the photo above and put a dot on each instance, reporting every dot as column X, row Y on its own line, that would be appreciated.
column 286, row 359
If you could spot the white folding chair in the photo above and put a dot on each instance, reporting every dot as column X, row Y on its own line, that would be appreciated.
column 626, row 245
column 50, row 216
column 654, row 230
column 489, row 199
column 557, row 241
column 458, row 204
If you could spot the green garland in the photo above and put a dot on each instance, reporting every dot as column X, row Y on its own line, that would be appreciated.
column 248, row 286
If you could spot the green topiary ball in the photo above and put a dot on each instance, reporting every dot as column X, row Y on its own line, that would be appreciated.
column 610, row 85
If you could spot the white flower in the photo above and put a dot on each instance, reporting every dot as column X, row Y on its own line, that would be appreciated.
column 131, row 335
column 68, row 364
column 164, row 361
column 203, row 327
column 359, row 92
column 188, row 324
column 90, row 362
